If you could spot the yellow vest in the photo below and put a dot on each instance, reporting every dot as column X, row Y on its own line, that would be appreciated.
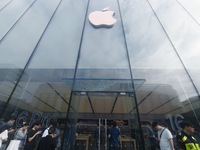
column 189, row 145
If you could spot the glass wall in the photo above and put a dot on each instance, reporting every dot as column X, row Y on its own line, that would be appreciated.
column 55, row 65
column 39, row 49
column 162, row 48
column 103, row 72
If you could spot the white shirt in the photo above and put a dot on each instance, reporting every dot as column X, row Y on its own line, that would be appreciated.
column 164, row 140
column 45, row 132
column 3, row 136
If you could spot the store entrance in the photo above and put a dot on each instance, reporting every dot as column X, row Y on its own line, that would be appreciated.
column 95, row 105
column 92, row 134
column 88, row 128
column 97, row 136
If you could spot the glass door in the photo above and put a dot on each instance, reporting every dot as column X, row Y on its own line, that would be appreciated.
column 89, row 127
column 94, row 106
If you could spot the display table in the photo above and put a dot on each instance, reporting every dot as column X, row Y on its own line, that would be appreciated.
column 84, row 137
column 124, row 138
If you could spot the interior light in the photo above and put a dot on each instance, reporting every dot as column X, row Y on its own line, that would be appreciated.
column 83, row 93
column 122, row 93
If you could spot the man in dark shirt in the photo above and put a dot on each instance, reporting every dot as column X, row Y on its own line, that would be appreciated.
column 113, row 134
column 151, row 135
column 185, row 139
column 48, row 142
column 31, row 136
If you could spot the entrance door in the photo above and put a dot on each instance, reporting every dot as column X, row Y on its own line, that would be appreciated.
column 94, row 106
column 89, row 127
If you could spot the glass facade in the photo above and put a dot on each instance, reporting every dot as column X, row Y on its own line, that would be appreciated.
column 54, row 65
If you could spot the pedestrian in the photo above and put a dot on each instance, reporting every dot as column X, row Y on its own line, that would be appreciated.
column 7, row 130
column 151, row 136
column 19, row 138
column 7, row 125
column 185, row 139
column 31, row 136
column 165, row 137
column 56, row 135
column 113, row 135
column 48, row 142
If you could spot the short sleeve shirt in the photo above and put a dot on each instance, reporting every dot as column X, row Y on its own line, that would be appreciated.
column 114, row 132
column 30, row 145
column 164, row 139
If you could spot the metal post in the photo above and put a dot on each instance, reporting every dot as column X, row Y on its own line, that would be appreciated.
column 99, row 139
column 105, row 134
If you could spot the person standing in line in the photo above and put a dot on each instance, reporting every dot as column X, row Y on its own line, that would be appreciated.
column 19, row 138
column 151, row 136
column 9, row 126
column 51, row 124
column 21, row 135
column 165, row 137
column 48, row 142
column 56, row 135
column 185, row 139
column 31, row 136
column 113, row 135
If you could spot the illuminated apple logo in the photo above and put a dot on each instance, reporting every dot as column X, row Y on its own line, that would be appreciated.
column 102, row 18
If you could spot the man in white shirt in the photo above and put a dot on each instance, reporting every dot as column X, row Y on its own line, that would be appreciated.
column 165, row 137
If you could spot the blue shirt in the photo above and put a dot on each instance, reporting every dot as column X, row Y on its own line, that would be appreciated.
column 114, row 136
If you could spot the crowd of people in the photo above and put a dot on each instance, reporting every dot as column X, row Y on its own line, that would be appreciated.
column 161, row 138
column 32, row 137
column 29, row 137
column 164, row 140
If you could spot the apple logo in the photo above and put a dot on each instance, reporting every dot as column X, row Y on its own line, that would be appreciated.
column 102, row 18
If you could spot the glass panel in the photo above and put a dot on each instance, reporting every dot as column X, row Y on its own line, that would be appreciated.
column 41, row 87
column 41, row 94
column 14, row 10
column 36, row 94
column 102, row 63
column 4, row 3
column 107, row 47
column 153, row 40
column 89, row 107
column 60, row 44
column 88, row 68
column 185, row 40
column 103, row 85
column 192, row 8
column 194, row 73
column 18, row 45
column 8, row 80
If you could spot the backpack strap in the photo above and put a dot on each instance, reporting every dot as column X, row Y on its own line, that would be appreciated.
column 161, row 133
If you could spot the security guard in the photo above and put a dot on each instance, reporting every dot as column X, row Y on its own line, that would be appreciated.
column 185, row 139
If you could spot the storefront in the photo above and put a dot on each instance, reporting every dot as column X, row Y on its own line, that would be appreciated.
column 137, row 63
